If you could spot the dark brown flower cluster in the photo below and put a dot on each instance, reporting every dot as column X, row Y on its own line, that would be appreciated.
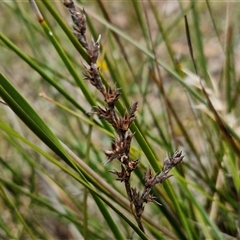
column 121, row 144
column 120, row 149
column 151, row 181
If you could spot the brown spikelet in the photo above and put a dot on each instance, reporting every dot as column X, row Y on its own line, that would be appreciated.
column 121, row 145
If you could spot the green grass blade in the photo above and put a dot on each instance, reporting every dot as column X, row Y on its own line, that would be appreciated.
column 202, row 59
column 27, row 114
column 6, row 196
column 66, row 29
column 83, row 182
column 38, row 69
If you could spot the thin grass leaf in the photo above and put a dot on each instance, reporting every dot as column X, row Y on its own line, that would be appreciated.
column 38, row 69
column 4, row 226
column 82, row 181
column 67, row 62
column 202, row 59
column 6, row 197
column 26, row 113
column 66, row 29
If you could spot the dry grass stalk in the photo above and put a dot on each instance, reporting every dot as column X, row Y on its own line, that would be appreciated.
column 121, row 144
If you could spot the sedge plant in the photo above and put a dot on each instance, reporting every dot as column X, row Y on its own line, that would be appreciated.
column 162, row 76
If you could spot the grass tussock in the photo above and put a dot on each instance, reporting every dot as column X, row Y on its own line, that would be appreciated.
column 160, row 76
